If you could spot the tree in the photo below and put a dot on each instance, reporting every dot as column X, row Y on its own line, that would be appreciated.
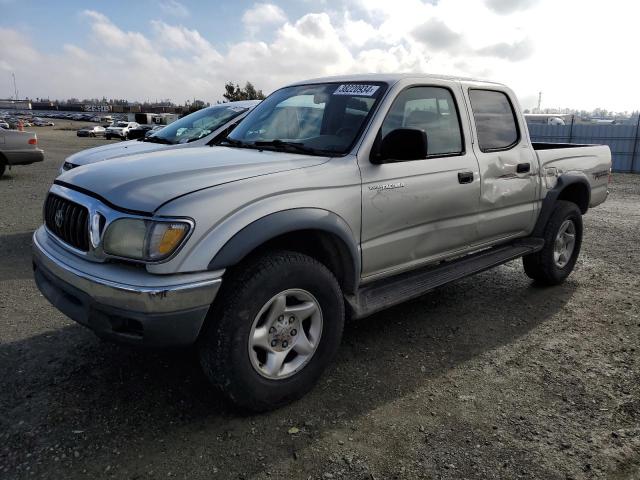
column 234, row 93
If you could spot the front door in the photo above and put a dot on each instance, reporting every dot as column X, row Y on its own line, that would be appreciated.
column 420, row 210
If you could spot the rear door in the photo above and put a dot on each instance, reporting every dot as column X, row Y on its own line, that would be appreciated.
column 419, row 210
column 508, row 167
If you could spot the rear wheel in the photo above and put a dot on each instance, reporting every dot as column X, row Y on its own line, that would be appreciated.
column 277, row 328
column 562, row 242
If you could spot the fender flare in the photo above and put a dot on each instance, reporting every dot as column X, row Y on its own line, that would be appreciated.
column 288, row 221
column 550, row 200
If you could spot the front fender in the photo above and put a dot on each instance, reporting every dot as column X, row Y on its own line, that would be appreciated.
column 279, row 223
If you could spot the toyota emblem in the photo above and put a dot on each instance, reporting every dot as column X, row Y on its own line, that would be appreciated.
column 59, row 218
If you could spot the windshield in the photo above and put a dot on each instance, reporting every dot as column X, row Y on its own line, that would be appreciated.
column 318, row 119
column 198, row 124
column 121, row 124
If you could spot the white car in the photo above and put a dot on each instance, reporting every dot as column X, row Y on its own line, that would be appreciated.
column 43, row 123
column 18, row 148
column 92, row 131
column 204, row 127
column 120, row 130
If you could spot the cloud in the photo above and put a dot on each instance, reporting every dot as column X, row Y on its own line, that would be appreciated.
column 164, row 58
column 261, row 14
column 437, row 35
column 174, row 8
column 515, row 52
column 506, row 7
column 181, row 38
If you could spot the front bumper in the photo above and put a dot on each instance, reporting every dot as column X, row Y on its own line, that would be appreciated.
column 124, row 303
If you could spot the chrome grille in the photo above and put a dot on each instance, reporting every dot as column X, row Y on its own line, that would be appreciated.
column 68, row 221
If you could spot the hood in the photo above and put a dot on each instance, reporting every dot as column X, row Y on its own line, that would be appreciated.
column 145, row 182
column 112, row 150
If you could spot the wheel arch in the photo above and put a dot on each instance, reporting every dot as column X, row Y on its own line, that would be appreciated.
column 318, row 233
column 572, row 187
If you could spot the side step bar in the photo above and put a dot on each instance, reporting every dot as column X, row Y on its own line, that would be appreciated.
column 391, row 291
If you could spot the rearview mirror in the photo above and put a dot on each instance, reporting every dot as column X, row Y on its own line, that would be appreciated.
column 401, row 144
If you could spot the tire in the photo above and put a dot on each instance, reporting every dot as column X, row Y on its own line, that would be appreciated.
column 93, row 135
column 250, row 304
column 108, row 137
column 3, row 167
column 545, row 266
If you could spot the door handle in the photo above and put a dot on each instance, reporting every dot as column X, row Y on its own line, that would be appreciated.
column 523, row 167
column 465, row 177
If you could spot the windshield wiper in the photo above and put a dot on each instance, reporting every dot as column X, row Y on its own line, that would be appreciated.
column 231, row 141
column 300, row 147
column 156, row 140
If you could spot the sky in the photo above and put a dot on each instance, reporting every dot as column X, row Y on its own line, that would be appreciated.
column 578, row 53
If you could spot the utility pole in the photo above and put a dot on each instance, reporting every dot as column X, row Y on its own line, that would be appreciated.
column 15, row 89
column 539, row 100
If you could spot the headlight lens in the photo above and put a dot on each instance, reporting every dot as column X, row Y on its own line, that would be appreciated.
column 144, row 239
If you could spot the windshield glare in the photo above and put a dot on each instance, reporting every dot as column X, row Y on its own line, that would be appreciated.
column 326, row 117
column 199, row 124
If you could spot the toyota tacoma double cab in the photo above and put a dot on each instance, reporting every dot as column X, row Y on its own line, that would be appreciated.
column 334, row 198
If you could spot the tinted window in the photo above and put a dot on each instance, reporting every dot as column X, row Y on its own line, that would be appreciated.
column 200, row 123
column 431, row 109
column 495, row 120
column 326, row 118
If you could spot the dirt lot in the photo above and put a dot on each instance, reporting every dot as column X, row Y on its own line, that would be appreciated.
column 490, row 377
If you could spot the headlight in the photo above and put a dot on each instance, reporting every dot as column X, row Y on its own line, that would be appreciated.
column 144, row 239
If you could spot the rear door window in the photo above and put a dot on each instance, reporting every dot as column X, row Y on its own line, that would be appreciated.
column 495, row 120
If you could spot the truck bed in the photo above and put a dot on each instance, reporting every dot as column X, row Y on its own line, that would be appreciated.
column 593, row 161
column 554, row 146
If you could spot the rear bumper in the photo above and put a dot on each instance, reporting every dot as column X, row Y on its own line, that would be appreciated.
column 143, row 312
column 24, row 157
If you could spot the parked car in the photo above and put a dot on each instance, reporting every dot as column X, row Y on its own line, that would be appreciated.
column 157, row 128
column 43, row 123
column 333, row 198
column 18, row 148
column 4, row 125
column 120, row 130
column 140, row 131
column 203, row 127
column 91, row 131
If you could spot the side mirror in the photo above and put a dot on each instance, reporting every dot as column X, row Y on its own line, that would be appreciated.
column 401, row 144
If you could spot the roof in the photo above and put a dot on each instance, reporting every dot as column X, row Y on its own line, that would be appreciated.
column 390, row 78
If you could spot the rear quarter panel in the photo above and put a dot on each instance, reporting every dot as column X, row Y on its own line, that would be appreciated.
column 592, row 161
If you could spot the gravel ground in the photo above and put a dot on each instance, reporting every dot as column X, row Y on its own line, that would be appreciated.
column 489, row 377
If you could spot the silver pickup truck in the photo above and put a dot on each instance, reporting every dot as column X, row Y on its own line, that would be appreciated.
column 334, row 198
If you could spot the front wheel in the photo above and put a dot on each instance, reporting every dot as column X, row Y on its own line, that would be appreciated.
column 562, row 242
column 278, row 326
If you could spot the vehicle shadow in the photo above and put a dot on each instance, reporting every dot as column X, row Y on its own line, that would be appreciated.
column 16, row 256
column 143, row 409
